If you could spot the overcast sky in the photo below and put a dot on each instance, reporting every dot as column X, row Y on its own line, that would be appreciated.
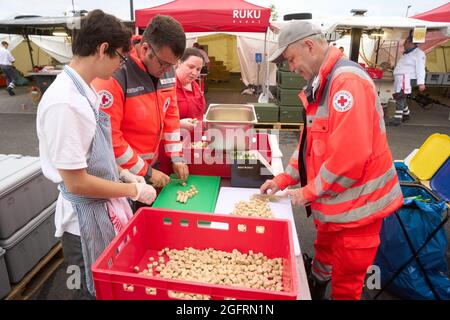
column 319, row 8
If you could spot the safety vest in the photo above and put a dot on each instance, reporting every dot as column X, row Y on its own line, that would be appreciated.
column 141, row 115
column 351, row 179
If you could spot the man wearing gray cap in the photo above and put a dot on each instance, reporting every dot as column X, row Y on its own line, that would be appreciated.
column 343, row 161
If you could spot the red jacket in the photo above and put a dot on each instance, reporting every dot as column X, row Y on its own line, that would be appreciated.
column 191, row 104
column 141, row 115
column 351, row 180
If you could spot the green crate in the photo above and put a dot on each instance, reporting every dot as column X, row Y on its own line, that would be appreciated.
column 288, row 97
column 283, row 66
column 266, row 112
column 290, row 80
column 289, row 114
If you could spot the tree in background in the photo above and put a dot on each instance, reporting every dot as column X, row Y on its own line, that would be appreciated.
column 273, row 12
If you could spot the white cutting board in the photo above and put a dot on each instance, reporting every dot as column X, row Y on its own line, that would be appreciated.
column 282, row 209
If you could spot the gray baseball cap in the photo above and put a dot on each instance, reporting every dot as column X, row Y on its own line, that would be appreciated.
column 291, row 32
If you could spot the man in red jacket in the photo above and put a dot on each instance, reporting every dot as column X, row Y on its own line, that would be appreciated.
column 141, row 100
column 343, row 162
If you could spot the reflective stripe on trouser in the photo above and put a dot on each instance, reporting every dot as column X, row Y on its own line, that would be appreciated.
column 401, row 107
column 347, row 255
column 96, row 229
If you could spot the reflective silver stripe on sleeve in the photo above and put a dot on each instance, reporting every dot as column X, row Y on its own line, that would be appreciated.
column 356, row 192
column 361, row 212
column 147, row 156
column 295, row 155
column 290, row 170
column 173, row 147
column 172, row 136
column 331, row 178
column 138, row 166
column 125, row 157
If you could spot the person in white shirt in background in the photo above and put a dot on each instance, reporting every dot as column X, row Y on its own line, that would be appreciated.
column 76, row 151
column 6, row 64
column 409, row 73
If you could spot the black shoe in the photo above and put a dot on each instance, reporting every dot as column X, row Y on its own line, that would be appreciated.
column 10, row 91
column 393, row 123
column 406, row 118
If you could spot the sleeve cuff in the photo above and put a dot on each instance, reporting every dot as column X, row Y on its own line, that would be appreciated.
column 284, row 180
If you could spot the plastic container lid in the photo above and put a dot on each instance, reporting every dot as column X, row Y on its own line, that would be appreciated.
column 16, row 170
column 431, row 155
column 440, row 182
column 28, row 228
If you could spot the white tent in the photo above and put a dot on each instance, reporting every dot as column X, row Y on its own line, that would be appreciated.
column 248, row 44
column 57, row 47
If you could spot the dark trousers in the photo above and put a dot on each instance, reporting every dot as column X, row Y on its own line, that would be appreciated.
column 11, row 75
column 401, row 104
column 73, row 255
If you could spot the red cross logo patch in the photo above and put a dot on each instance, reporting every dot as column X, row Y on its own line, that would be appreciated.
column 106, row 99
column 342, row 101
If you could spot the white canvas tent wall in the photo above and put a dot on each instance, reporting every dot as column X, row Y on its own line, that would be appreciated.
column 247, row 45
column 44, row 49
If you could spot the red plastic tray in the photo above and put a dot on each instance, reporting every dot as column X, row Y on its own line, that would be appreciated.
column 203, row 162
column 147, row 233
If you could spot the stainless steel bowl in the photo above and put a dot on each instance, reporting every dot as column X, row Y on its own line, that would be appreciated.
column 229, row 126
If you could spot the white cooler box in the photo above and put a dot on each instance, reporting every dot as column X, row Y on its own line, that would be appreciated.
column 24, row 192
column 30, row 244
column 4, row 279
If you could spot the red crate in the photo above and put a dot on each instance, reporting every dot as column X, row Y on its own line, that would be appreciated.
column 148, row 232
column 212, row 162
column 375, row 73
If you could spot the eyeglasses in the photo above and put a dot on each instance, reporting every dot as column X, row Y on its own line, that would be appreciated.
column 162, row 64
column 123, row 59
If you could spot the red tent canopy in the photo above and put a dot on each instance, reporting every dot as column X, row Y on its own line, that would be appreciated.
column 210, row 15
column 439, row 14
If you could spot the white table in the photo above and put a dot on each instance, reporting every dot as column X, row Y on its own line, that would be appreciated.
column 228, row 196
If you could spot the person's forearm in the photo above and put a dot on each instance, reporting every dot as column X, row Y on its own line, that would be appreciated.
column 87, row 185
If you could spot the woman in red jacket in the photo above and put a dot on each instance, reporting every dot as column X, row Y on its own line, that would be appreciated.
column 191, row 102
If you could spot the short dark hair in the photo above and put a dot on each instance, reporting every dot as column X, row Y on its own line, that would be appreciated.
column 98, row 27
column 189, row 52
column 165, row 31
column 4, row 43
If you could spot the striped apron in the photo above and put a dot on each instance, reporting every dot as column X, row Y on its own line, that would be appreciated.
column 96, row 228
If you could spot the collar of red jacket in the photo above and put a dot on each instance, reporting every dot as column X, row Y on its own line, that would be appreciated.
column 331, row 57
column 134, row 55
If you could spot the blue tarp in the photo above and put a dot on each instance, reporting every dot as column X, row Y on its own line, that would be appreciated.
column 403, row 173
column 420, row 214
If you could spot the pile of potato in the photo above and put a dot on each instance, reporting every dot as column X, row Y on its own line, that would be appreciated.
column 183, row 197
column 253, row 208
column 250, row 270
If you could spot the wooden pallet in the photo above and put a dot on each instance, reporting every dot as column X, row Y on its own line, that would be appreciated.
column 34, row 279
column 282, row 126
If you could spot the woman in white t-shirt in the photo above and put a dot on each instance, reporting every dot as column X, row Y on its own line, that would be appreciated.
column 76, row 150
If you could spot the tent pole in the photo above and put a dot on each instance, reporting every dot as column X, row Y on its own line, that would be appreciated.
column 30, row 49
column 445, row 60
column 264, row 96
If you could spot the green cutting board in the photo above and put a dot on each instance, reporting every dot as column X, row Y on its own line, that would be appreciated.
column 204, row 201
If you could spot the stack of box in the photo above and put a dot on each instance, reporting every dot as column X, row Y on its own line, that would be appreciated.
column 289, row 85
column 27, row 208
column 217, row 71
